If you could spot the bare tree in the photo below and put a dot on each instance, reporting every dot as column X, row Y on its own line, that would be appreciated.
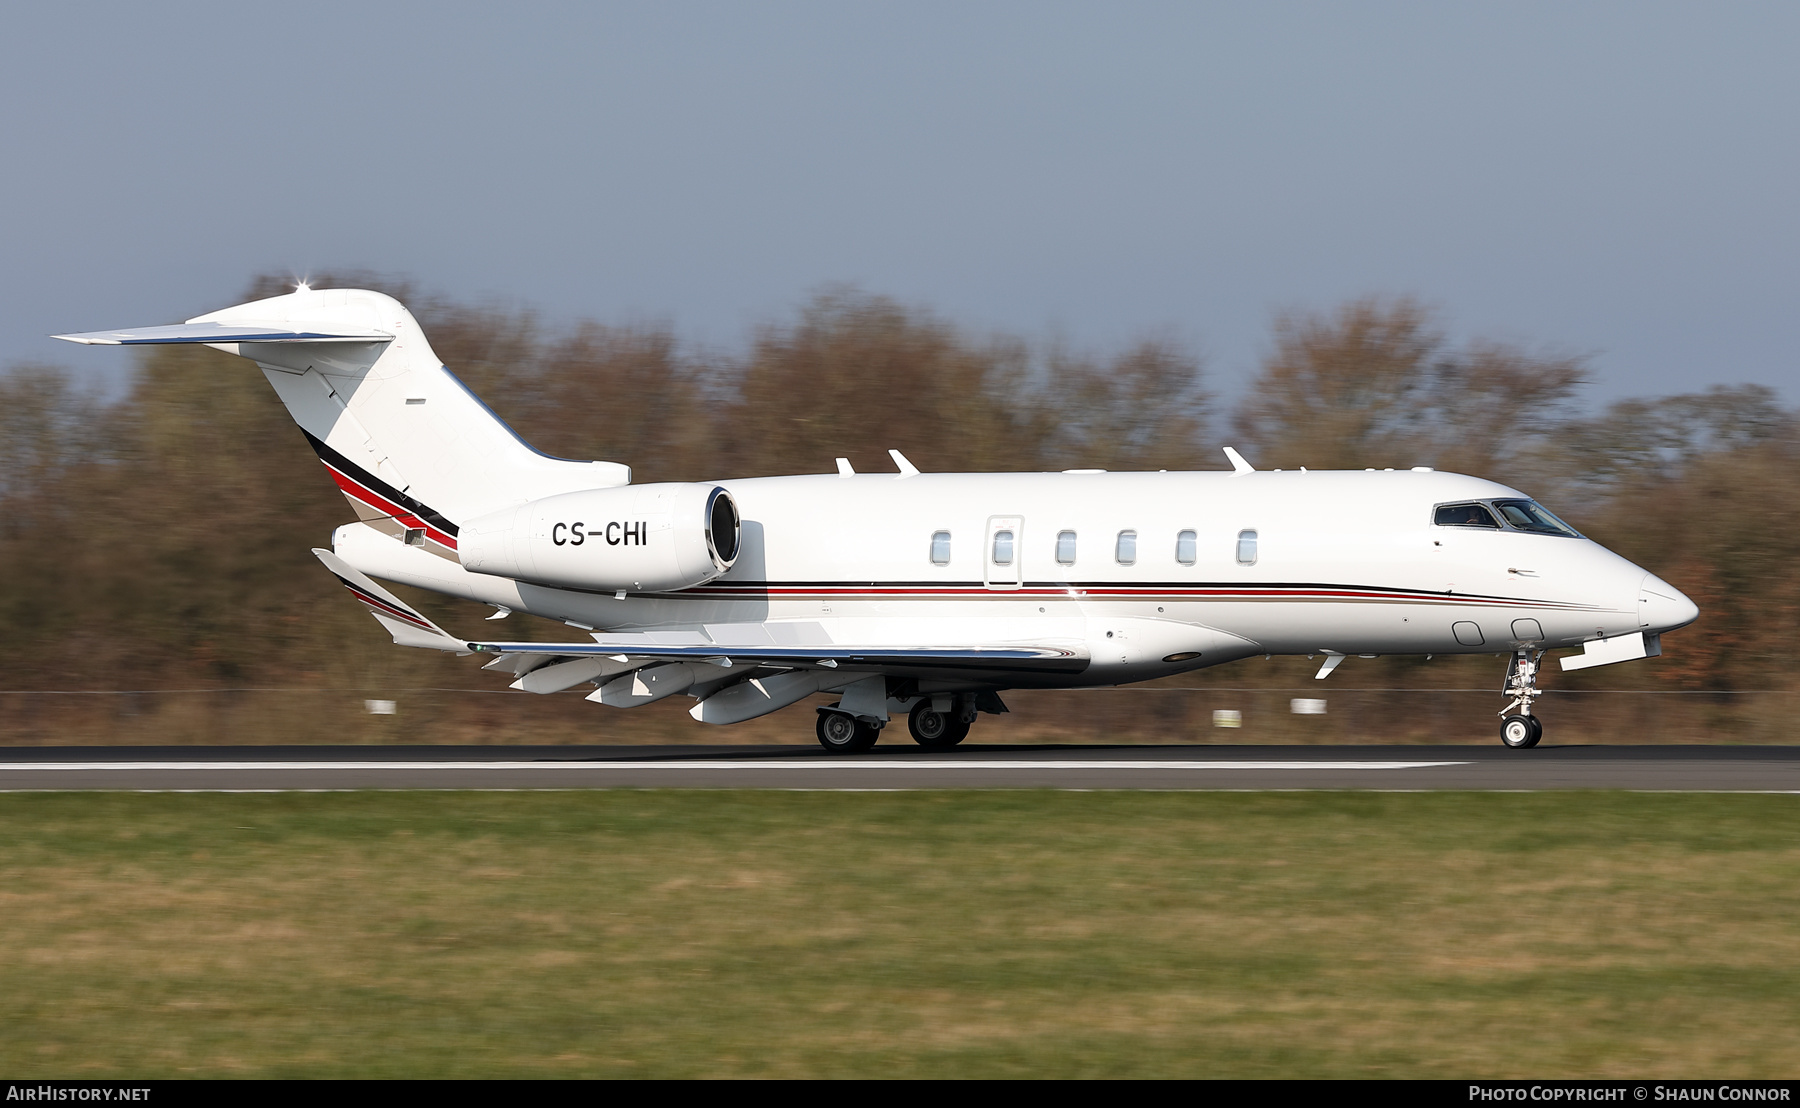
column 1376, row 384
column 1143, row 409
column 858, row 374
column 1345, row 390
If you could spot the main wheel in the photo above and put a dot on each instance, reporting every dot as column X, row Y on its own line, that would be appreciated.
column 1520, row 732
column 935, row 730
column 842, row 733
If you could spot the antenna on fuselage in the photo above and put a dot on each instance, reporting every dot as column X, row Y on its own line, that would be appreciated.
column 907, row 469
column 1238, row 464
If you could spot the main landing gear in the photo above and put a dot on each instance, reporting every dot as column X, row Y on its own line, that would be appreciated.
column 936, row 723
column 843, row 733
column 935, row 730
column 1519, row 729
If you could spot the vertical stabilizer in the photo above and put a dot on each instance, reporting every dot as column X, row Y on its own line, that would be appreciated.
column 409, row 445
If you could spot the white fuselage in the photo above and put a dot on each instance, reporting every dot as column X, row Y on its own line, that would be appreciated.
column 1344, row 562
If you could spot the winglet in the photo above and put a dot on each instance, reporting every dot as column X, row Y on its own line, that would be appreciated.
column 1238, row 464
column 408, row 627
column 907, row 469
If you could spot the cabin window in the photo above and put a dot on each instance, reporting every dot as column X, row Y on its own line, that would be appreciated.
column 1464, row 515
column 1126, row 553
column 1246, row 552
column 940, row 548
column 1003, row 548
column 1527, row 515
column 1065, row 548
column 1185, row 544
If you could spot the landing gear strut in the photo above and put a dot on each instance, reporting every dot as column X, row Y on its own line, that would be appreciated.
column 1519, row 729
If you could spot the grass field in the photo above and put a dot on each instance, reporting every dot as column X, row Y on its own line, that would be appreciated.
column 1050, row 934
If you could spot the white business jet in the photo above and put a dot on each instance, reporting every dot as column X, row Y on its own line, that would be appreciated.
column 925, row 594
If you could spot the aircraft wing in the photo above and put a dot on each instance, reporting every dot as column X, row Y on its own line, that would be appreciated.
column 1010, row 657
column 725, row 645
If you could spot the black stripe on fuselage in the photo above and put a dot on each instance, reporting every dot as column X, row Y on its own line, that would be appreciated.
column 376, row 485
column 1300, row 589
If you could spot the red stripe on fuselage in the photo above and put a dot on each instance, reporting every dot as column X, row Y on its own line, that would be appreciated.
column 354, row 488
column 1196, row 592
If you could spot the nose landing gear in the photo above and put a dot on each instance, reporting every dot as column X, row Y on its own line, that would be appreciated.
column 1519, row 729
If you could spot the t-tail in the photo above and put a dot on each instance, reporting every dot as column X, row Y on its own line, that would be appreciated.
column 415, row 452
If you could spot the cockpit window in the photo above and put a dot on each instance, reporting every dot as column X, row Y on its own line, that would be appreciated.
column 1465, row 515
column 1528, row 515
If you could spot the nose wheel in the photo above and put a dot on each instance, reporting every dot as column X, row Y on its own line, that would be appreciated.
column 1521, row 732
column 1519, row 729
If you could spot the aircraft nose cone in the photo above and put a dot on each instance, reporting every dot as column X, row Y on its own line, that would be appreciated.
column 1663, row 607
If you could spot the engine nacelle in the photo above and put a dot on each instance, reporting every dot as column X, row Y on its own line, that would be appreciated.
column 642, row 538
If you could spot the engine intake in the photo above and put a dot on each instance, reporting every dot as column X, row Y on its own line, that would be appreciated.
column 645, row 538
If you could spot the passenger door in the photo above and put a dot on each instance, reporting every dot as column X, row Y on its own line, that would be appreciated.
column 1003, row 554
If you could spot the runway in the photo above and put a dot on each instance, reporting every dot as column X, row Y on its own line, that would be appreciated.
column 245, row 768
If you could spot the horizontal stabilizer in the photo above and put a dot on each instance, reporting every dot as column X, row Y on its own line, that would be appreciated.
column 407, row 625
column 222, row 332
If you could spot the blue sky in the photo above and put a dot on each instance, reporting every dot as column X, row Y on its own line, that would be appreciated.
column 1617, row 179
